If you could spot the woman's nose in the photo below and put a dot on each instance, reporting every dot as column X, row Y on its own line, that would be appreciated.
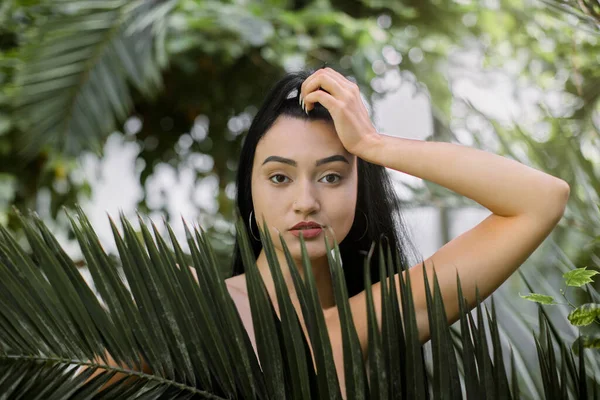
column 306, row 200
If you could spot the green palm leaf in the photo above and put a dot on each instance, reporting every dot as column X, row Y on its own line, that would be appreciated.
column 354, row 368
column 416, row 377
column 500, row 377
column 391, row 332
column 150, row 310
column 446, row 383
column 467, row 351
column 299, row 374
column 73, row 86
column 378, row 371
column 327, row 380
column 267, row 340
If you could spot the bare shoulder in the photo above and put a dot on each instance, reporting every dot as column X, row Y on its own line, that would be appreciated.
column 237, row 284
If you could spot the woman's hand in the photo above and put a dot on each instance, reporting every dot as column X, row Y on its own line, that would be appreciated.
column 341, row 98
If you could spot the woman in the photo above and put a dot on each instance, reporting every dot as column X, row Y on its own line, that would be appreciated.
column 313, row 160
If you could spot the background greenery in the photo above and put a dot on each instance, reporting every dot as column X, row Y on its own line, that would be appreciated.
column 192, row 73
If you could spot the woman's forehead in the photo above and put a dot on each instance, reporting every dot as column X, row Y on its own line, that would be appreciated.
column 294, row 136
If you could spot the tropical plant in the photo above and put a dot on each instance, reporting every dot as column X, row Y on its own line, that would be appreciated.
column 189, row 332
column 582, row 315
column 159, row 56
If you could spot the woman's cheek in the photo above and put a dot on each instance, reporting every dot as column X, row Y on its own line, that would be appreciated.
column 263, row 193
column 342, row 222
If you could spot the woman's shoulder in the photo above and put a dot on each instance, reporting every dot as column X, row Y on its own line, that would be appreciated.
column 237, row 290
column 237, row 284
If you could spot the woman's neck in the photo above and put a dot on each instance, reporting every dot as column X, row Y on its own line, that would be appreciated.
column 320, row 270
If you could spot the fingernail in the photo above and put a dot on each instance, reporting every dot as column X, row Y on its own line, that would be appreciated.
column 300, row 99
column 302, row 104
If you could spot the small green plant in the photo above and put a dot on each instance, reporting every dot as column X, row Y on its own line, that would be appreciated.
column 582, row 315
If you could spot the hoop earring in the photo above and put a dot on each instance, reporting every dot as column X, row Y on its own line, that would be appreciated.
column 250, row 226
column 366, row 227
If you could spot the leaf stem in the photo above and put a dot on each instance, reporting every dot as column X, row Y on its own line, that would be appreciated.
column 139, row 374
column 564, row 294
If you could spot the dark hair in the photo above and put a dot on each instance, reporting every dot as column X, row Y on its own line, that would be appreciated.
column 375, row 197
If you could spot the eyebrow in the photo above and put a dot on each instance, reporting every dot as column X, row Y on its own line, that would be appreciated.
column 293, row 163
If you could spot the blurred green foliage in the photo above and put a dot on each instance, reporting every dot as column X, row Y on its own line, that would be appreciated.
column 60, row 80
column 194, row 72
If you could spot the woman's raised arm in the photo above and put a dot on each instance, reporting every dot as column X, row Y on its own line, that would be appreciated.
column 526, row 205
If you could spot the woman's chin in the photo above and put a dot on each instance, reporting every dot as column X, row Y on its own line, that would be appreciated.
column 315, row 247
column 314, row 251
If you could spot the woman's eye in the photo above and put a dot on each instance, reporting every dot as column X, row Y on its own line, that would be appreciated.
column 332, row 178
column 278, row 180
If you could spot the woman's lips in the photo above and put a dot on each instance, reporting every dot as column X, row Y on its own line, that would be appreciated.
column 307, row 233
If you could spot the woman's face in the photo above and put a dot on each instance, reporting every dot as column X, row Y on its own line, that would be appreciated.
column 301, row 172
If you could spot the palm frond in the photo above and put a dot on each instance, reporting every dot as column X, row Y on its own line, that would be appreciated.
column 327, row 379
column 354, row 368
column 390, row 339
column 559, row 375
column 267, row 340
column 150, row 310
column 378, row 376
column 48, row 303
column 416, row 377
column 301, row 377
column 445, row 363
column 73, row 86
column 467, row 351
column 585, row 12
column 500, row 377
